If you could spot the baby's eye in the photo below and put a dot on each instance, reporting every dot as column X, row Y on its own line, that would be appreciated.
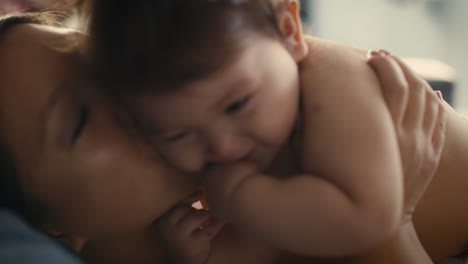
column 176, row 137
column 237, row 105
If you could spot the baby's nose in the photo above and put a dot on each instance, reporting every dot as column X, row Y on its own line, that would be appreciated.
column 226, row 148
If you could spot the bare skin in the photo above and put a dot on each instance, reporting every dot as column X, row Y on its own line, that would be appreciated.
column 441, row 213
column 438, row 216
column 59, row 62
column 404, row 247
column 89, row 167
column 248, row 112
column 326, row 65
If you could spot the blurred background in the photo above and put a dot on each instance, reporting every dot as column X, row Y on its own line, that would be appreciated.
column 431, row 34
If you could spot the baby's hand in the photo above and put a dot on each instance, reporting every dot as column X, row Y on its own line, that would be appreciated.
column 187, row 233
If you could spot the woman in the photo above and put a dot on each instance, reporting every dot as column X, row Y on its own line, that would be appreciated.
column 79, row 168
column 81, row 171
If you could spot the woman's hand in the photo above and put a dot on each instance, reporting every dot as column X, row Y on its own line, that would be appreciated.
column 419, row 119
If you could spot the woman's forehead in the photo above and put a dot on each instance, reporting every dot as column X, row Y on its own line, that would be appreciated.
column 28, row 63
column 31, row 36
column 30, row 74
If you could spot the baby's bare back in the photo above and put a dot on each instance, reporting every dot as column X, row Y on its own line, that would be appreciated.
column 441, row 218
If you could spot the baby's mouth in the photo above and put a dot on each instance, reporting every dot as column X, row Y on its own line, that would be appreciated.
column 260, row 159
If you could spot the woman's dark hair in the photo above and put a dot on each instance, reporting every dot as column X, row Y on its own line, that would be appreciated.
column 12, row 196
column 171, row 42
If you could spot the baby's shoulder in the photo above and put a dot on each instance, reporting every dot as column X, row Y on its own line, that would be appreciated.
column 332, row 67
column 328, row 60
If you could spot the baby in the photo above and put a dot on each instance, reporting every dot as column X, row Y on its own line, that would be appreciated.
column 292, row 131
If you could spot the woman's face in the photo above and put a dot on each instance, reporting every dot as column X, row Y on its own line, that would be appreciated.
column 74, row 152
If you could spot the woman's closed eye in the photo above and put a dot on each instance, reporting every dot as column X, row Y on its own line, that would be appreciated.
column 80, row 124
column 176, row 137
column 238, row 105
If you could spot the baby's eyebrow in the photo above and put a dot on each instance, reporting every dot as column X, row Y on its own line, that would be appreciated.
column 234, row 90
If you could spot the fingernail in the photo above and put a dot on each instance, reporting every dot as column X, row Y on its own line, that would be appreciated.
column 372, row 53
column 384, row 52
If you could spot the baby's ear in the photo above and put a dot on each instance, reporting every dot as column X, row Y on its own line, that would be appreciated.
column 290, row 26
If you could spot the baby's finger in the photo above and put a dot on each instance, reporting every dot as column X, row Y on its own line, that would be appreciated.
column 193, row 221
column 393, row 83
column 173, row 217
column 212, row 229
column 193, row 198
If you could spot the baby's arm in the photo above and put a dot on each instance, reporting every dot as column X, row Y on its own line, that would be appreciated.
column 350, row 196
column 350, row 199
column 350, row 153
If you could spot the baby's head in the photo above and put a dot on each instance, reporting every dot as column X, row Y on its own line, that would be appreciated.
column 222, row 74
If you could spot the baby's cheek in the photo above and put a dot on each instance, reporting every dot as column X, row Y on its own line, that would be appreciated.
column 187, row 160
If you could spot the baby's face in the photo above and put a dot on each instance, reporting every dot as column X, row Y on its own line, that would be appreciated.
column 244, row 112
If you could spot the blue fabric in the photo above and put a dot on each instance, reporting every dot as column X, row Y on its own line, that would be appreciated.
column 20, row 244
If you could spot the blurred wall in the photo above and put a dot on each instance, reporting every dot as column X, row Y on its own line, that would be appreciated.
column 456, row 35
column 411, row 28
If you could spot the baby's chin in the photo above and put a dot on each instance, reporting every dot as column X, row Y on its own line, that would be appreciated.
column 264, row 160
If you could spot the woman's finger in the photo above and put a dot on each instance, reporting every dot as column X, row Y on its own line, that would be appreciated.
column 393, row 84
column 438, row 138
column 417, row 95
column 431, row 112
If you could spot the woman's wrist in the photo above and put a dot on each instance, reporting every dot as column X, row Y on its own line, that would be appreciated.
column 403, row 247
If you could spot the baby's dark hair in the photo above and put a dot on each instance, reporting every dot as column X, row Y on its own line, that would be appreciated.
column 142, row 45
column 12, row 196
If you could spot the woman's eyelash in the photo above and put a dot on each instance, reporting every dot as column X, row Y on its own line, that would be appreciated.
column 237, row 105
column 176, row 137
column 81, row 124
